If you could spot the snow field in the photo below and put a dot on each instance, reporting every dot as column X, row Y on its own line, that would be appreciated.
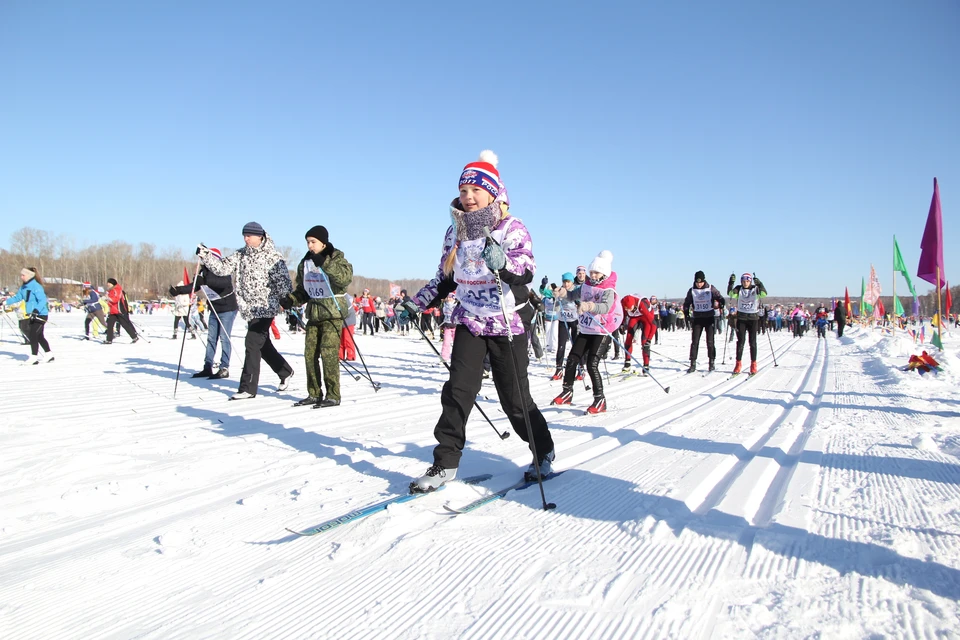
column 820, row 497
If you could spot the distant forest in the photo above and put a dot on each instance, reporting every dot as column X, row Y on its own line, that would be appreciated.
column 146, row 272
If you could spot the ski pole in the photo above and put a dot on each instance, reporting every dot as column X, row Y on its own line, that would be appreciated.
column 183, row 342
column 354, row 369
column 505, row 434
column 725, row 341
column 344, row 365
column 140, row 331
column 667, row 357
column 774, row 353
column 376, row 385
column 516, row 375
column 632, row 357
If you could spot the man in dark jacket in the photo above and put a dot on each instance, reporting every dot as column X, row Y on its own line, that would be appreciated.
column 223, row 301
column 840, row 315
column 700, row 298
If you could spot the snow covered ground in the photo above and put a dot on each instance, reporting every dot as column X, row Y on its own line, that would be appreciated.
column 820, row 498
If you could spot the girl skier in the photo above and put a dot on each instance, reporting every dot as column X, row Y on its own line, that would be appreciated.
column 600, row 314
column 471, row 264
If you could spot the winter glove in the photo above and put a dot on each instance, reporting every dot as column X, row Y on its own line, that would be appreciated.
column 411, row 307
column 494, row 256
column 172, row 291
column 586, row 306
column 286, row 302
column 733, row 279
column 34, row 315
column 759, row 284
column 543, row 283
column 201, row 248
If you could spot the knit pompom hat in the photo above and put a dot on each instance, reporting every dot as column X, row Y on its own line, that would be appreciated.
column 603, row 263
column 483, row 173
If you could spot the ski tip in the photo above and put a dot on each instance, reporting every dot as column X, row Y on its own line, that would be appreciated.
column 452, row 510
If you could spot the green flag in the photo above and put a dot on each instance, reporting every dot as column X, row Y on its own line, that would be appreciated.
column 902, row 268
column 935, row 340
column 865, row 307
column 897, row 307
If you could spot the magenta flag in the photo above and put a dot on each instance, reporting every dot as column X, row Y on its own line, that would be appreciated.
column 931, row 246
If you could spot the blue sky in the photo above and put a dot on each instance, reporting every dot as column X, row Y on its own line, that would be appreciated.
column 793, row 139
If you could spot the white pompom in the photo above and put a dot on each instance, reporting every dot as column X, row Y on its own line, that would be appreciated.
column 489, row 156
column 606, row 255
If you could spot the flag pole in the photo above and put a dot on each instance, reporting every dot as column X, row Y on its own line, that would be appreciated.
column 939, row 311
column 896, row 318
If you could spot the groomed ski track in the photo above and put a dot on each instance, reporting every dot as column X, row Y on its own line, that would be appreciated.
column 797, row 502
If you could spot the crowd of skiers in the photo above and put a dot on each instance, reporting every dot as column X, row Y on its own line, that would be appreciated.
column 481, row 300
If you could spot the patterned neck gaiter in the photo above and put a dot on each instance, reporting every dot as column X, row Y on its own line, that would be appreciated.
column 469, row 226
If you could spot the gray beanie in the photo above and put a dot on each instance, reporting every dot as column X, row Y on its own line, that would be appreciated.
column 253, row 229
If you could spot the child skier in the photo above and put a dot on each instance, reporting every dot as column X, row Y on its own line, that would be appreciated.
column 600, row 314
column 322, row 276
column 475, row 267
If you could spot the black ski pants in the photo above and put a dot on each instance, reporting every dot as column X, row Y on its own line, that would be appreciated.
column 747, row 326
column 461, row 389
column 589, row 349
column 35, row 334
column 705, row 326
column 840, row 326
column 258, row 345
column 123, row 320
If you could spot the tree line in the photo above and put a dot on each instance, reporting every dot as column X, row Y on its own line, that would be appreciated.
column 144, row 270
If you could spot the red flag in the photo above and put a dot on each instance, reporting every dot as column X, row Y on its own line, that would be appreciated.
column 186, row 277
column 846, row 302
column 931, row 245
column 949, row 299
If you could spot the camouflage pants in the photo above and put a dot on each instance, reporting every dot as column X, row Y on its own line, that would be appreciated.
column 322, row 349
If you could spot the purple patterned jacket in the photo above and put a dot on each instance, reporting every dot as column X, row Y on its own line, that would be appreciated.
column 519, row 271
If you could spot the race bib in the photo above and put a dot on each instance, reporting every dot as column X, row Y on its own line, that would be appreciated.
column 315, row 282
column 702, row 300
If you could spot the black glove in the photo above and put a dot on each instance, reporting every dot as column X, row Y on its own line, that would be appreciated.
column 411, row 307
column 759, row 284
column 34, row 315
column 201, row 247
column 172, row 291
column 286, row 302
column 733, row 278
column 544, row 282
